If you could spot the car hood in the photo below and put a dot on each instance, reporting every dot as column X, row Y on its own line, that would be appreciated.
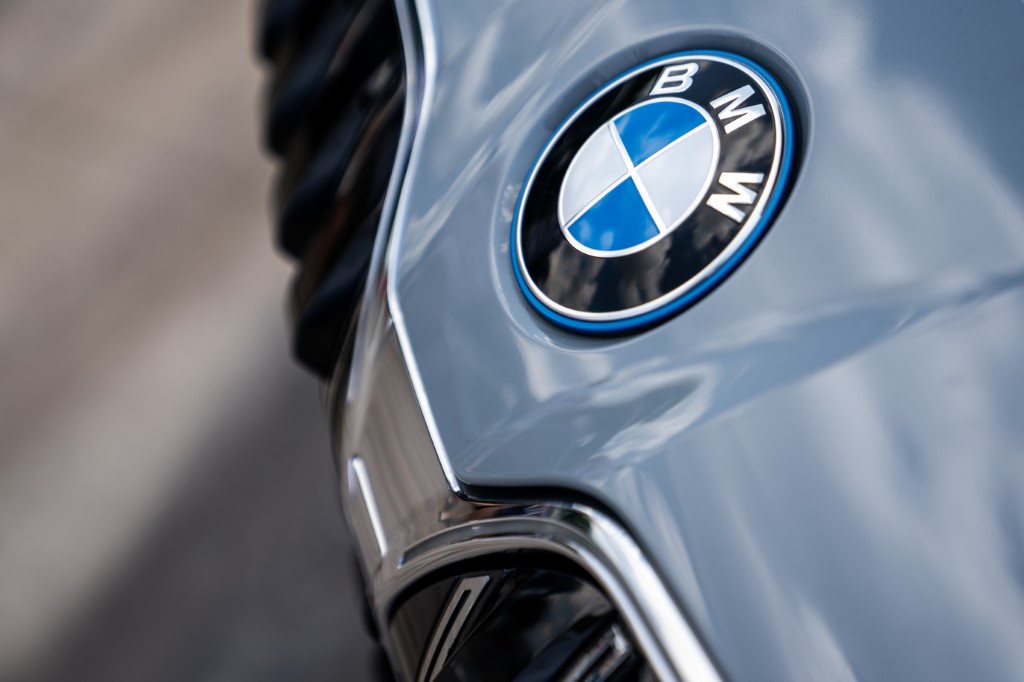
column 823, row 457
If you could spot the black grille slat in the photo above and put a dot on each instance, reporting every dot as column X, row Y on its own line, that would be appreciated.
column 317, row 73
column 307, row 189
column 323, row 312
column 302, row 73
column 278, row 18
column 361, row 193
column 369, row 43
column 334, row 115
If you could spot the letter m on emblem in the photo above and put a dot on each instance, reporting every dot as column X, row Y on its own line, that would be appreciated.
column 731, row 103
column 726, row 203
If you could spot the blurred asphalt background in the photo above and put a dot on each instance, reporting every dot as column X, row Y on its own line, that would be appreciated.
column 167, row 504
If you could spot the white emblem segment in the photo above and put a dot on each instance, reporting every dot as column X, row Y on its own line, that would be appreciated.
column 596, row 168
column 731, row 102
column 726, row 203
column 677, row 177
column 675, row 78
column 651, row 208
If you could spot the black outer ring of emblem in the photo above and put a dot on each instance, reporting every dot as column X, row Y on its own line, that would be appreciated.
column 619, row 294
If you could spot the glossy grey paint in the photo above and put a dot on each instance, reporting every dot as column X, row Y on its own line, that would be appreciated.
column 823, row 458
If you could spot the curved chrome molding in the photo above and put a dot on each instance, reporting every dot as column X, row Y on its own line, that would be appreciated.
column 417, row 49
column 408, row 522
column 417, row 29
column 584, row 536
column 407, row 511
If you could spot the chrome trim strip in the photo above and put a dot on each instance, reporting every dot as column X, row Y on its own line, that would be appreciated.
column 608, row 654
column 408, row 18
column 362, row 481
column 448, row 627
column 383, row 430
column 418, row 90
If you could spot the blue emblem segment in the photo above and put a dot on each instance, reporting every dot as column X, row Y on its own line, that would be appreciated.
column 619, row 220
column 648, row 128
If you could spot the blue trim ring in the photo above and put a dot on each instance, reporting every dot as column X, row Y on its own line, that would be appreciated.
column 771, row 209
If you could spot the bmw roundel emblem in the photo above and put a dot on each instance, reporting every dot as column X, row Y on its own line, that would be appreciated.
column 653, row 191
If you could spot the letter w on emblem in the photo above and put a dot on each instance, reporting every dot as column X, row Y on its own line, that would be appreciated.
column 726, row 203
column 733, row 100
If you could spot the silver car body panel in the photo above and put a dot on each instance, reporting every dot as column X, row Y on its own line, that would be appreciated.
column 822, row 460
column 408, row 513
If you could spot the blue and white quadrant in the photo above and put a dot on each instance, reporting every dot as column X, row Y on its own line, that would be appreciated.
column 638, row 176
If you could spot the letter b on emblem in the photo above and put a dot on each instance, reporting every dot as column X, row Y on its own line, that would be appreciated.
column 675, row 78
